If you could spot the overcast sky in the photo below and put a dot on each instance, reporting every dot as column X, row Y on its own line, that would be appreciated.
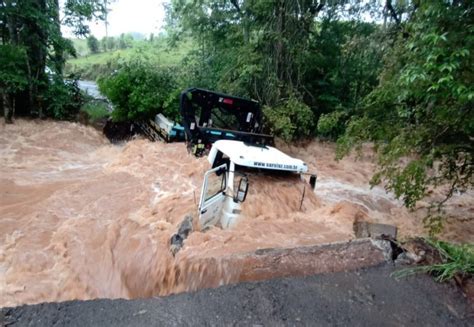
column 144, row 16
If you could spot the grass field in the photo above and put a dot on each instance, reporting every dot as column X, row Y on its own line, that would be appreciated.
column 91, row 66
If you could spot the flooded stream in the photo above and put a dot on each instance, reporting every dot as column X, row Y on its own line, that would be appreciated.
column 91, row 88
column 81, row 218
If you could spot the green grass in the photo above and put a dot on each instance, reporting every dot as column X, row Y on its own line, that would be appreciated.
column 100, row 58
column 91, row 66
column 458, row 259
column 96, row 110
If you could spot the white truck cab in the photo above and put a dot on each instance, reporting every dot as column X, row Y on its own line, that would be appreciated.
column 226, row 185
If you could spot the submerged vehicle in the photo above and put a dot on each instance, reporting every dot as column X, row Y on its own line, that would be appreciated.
column 169, row 130
column 208, row 116
column 228, row 129
column 162, row 129
column 226, row 185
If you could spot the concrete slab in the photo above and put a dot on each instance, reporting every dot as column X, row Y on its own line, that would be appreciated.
column 363, row 229
column 284, row 262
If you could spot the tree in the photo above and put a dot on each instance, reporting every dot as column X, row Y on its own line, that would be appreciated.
column 421, row 116
column 111, row 43
column 93, row 44
column 12, row 77
column 103, row 44
column 318, row 52
column 34, row 25
column 121, row 42
column 269, row 35
column 140, row 90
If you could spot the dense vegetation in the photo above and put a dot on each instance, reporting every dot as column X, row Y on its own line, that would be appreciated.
column 398, row 74
column 138, row 90
column 422, row 108
column 33, row 52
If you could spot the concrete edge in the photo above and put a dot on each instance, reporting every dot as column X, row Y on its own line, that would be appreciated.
column 272, row 263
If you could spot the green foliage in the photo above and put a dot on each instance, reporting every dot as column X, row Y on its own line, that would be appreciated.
column 63, row 99
column 96, row 110
column 457, row 259
column 421, row 115
column 94, row 66
column 77, row 14
column 270, row 50
column 139, row 90
column 111, row 44
column 103, row 44
column 13, row 71
column 341, row 67
column 332, row 124
column 31, row 37
column 93, row 44
column 125, row 41
column 290, row 120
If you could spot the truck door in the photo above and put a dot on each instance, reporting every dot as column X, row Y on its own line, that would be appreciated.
column 212, row 196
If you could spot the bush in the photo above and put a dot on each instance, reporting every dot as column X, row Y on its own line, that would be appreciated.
column 96, row 110
column 63, row 99
column 139, row 90
column 332, row 124
column 291, row 120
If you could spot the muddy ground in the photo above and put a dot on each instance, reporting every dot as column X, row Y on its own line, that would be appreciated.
column 369, row 297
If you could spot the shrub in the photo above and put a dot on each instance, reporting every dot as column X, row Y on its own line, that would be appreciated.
column 139, row 90
column 332, row 124
column 63, row 99
column 96, row 110
column 290, row 120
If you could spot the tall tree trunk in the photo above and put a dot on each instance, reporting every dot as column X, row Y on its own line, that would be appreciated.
column 58, row 45
column 11, row 24
column 7, row 108
column 280, row 46
column 106, row 20
column 36, row 40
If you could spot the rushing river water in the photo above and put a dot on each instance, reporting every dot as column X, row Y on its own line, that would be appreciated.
column 81, row 218
column 91, row 88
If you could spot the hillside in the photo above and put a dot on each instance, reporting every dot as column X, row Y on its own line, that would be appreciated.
column 90, row 66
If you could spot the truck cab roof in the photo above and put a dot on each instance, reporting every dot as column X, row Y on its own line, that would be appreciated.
column 256, row 156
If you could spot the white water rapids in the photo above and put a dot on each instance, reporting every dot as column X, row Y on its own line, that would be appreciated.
column 81, row 218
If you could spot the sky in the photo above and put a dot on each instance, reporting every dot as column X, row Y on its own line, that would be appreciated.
column 143, row 16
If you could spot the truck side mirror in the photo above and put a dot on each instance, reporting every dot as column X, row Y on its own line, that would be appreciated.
column 242, row 190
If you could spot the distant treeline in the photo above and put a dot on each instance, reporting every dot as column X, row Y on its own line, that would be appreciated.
column 111, row 43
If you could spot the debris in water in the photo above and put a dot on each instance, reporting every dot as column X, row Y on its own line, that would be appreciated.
column 185, row 228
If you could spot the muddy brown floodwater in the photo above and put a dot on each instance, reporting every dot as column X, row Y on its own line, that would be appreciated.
column 81, row 218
